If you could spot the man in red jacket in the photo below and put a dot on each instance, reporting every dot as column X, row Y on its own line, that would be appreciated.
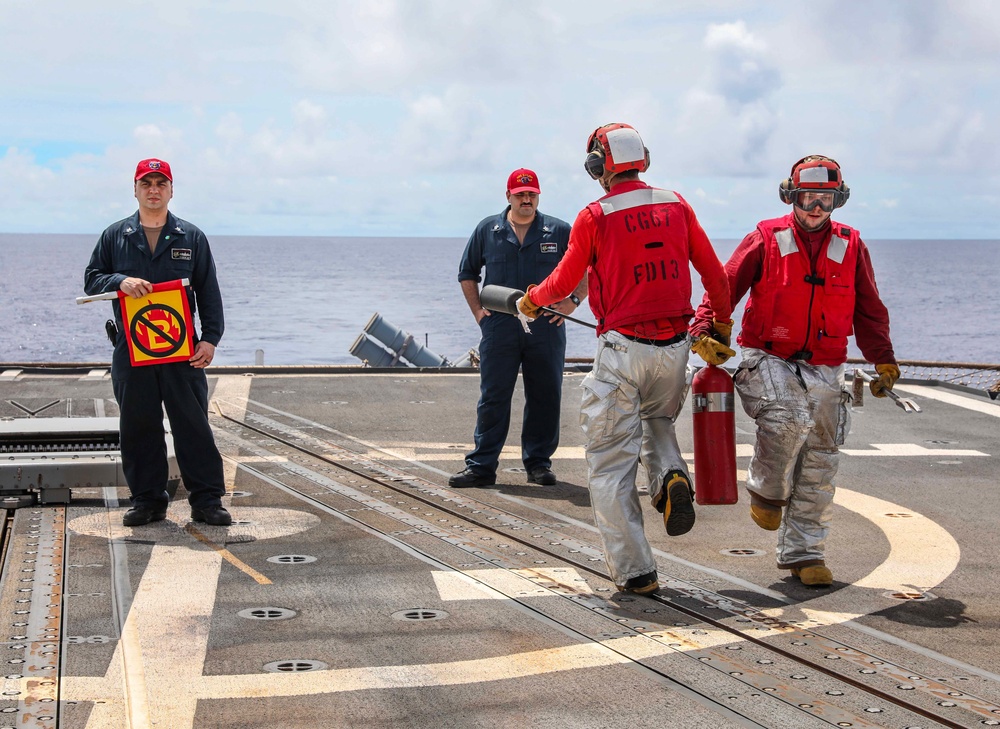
column 811, row 286
column 638, row 243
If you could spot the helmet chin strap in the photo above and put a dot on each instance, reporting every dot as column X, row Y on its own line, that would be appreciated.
column 606, row 179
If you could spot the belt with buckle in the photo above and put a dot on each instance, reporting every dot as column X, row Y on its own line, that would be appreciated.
column 655, row 342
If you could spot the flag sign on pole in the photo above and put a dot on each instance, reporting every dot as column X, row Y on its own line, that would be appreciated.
column 158, row 326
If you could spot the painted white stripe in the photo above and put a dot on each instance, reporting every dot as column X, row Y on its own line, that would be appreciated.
column 858, row 596
column 235, row 390
column 479, row 670
column 468, row 585
column 908, row 449
column 921, row 553
column 986, row 407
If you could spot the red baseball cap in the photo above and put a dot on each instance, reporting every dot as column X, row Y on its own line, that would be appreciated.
column 522, row 180
column 149, row 166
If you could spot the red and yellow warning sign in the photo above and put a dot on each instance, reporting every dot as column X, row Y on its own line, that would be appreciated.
column 158, row 326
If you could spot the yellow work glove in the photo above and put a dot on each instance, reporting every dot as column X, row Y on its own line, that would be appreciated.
column 887, row 376
column 722, row 331
column 713, row 352
column 527, row 306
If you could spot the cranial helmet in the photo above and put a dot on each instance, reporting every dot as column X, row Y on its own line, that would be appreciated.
column 615, row 148
column 814, row 173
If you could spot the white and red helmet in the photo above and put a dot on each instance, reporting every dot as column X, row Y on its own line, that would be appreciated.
column 615, row 148
column 815, row 173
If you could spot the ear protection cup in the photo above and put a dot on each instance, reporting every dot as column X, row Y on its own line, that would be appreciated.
column 785, row 191
column 841, row 195
column 645, row 162
column 594, row 163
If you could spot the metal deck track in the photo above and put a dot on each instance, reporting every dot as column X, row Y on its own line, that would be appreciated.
column 31, row 605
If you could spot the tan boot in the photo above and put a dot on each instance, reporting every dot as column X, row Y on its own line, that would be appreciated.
column 815, row 575
column 765, row 515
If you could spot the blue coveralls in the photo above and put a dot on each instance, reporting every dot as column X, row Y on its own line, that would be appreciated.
column 505, row 346
column 143, row 392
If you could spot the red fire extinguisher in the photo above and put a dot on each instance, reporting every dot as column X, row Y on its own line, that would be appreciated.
column 714, row 422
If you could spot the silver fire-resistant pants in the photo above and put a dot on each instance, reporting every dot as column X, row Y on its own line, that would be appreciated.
column 802, row 418
column 630, row 401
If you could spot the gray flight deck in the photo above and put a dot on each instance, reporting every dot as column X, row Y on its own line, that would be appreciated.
column 355, row 589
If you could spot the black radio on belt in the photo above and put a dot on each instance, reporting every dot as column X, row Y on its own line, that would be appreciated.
column 112, row 331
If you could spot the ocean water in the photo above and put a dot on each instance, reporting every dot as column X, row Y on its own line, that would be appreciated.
column 305, row 300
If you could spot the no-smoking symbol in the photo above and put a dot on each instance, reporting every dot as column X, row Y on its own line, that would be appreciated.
column 160, row 322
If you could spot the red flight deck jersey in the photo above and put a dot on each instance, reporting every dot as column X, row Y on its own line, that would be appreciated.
column 638, row 242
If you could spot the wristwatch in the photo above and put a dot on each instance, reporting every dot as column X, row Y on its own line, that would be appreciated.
column 575, row 299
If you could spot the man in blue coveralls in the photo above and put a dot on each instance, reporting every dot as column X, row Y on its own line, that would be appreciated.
column 520, row 246
column 154, row 246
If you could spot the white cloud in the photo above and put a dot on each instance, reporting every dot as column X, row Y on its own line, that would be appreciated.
column 731, row 116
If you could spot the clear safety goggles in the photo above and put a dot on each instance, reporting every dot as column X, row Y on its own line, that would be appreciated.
column 811, row 199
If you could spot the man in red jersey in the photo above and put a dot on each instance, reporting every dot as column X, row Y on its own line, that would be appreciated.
column 811, row 286
column 638, row 243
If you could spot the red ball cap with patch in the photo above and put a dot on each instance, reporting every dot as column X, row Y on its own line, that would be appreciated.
column 522, row 180
column 149, row 166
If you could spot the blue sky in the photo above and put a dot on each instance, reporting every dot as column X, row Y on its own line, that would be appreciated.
column 404, row 117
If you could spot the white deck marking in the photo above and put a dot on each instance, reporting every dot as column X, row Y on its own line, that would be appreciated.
column 412, row 451
column 167, row 629
column 987, row 407
column 910, row 450
column 171, row 616
column 168, row 605
column 922, row 555
column 468, row 585
column 481, row 670
column 235, row 390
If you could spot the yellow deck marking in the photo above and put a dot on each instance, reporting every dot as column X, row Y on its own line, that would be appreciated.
column 228, row 556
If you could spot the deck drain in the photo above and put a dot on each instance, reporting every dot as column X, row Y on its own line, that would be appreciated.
column 267, row 613
column 415, row 614
column 911, row 595
column 740, row 552
column 294, row 665
column 292, row 559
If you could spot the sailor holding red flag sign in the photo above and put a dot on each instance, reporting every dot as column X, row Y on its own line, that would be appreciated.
column 152, row 247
